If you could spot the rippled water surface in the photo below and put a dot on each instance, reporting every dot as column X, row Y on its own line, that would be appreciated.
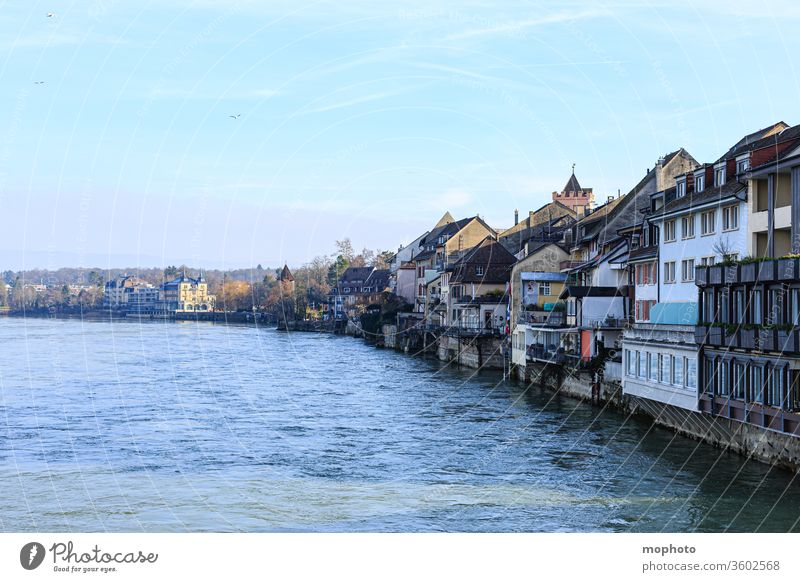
column 199, row 427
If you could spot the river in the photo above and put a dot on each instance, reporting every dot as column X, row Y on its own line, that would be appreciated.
column 161, row 426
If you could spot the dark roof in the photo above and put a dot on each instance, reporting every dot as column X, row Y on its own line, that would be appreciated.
column 182, row 278
column 286, row 274
column 446, row 229
column 572, row 184
column 754, row 140
column 643, row 253
column 379, row 278
column 495, row 260
column 546, row 232
column 694, row 199
column 355, row 274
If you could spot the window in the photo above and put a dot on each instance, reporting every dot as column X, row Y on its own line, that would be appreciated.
column 775, row 388
column 742, row 165
column 730, row 218
column 669, row 272
column 707, row 222
column 654, row 368
column 544, row 288
column 687, row 270
column 660, row 368
column 730, row 257
column 643, row 360
column 669, row 231
column 757, row 384
column 739, row 374
column 681, row 188
column 687, row 226
column 794, row 297
column 719, row 175
column 631, row 362
column 691, row 373
column 707, row 261
column 479, row 271
column 677, row 370
column 347, row 289
column 775, row 307
column 738, row 305
column 724, row 303
column 638, row 362
column 666, row 369
column 699, row 183
column 756, row 303
column 722, row 375
column 710, row 375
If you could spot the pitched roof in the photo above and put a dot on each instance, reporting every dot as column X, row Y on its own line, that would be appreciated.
column 447, row 218
column 572, row 184
column 286, row 274
column 754, row 140
column 694, row 199
column 492, row 257
column 352, row 274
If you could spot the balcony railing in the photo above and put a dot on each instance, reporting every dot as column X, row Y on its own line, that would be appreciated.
column 605, row 322
column 766, row 271
column 765, row 339
column 548, row 318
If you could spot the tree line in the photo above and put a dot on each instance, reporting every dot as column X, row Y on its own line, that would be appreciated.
column 235, row 289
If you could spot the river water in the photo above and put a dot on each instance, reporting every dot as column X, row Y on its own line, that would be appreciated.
column 161, row 426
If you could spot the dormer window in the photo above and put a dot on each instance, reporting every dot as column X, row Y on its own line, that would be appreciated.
column 743, row 164
column 719, row 174
column 681, row 187
column 479, row 271
column 700, row 181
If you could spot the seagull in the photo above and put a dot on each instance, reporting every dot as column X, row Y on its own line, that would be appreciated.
column 50, row 15
column 38, row 82
column 237, row 116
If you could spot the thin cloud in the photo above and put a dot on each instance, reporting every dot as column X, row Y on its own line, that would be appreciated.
column 354, row 101
column 515, row 27
column 180, row 93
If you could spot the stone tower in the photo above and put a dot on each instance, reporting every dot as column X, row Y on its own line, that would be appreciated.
column 575, row 197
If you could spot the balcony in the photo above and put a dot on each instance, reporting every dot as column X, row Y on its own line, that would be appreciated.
column 548, row 318
column 750, row 338
column 605, row 322
column 760, row 271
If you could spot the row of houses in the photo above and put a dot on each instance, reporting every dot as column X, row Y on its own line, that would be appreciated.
column 686, row 289
column 133, row 295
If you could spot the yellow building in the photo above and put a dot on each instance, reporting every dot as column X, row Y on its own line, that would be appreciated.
column 186, row 294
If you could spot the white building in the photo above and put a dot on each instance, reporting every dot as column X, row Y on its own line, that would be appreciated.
column 699, row 221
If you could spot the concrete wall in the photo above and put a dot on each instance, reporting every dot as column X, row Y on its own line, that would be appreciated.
column 749, row 440
column 482, row 352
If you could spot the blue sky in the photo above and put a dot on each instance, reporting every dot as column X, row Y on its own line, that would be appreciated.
column 360, row 119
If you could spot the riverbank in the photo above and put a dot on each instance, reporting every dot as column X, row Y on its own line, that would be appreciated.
column 482, row 352
column 203, row 427
column 240, row 317
column 487, row 353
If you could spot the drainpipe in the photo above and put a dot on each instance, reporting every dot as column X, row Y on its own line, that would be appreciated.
column 771, row 215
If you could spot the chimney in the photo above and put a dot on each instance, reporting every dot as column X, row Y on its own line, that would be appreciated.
column 516, row 217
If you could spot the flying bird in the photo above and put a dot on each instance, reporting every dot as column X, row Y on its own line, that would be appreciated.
column 237, row 116
column 38, row 82
column 50, row 15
